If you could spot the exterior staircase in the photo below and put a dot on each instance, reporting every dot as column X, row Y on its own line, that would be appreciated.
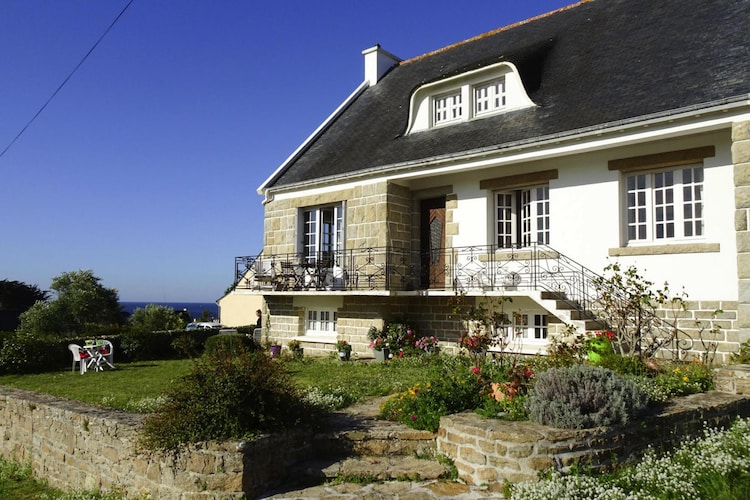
column 356, row 445
column 568, row 311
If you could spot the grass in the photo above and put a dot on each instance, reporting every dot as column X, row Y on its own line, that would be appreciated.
column 132, row 386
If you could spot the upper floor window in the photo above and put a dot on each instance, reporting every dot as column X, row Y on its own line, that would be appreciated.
column 665, row 205
column 475, row 94
column 447, row 108
column 322, row 229
column 489, row 96
column 522, row 217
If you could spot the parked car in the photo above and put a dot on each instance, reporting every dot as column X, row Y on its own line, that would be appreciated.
column 205, row 325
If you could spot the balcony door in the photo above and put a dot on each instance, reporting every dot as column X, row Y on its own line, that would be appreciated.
column 432, row 242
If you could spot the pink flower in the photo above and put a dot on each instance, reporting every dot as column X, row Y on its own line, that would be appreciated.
column 475, row 370
column 413, row 417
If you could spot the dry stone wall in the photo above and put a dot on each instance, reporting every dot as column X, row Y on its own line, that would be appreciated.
column 74, row 446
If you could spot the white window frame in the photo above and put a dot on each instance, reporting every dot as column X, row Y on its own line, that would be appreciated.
column 489, row 97
column 531, row 327
column 321, row 322
column 322, row 231
column 522, row 216
column 447, row 107
column 664, row 205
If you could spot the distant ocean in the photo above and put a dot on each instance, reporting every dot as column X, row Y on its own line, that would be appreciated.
column 194, row 308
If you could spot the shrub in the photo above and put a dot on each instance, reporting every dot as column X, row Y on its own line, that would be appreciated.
column 232, row 343
column 579, row 397
column 227, row 397
column 685, row 378
column 452, row 385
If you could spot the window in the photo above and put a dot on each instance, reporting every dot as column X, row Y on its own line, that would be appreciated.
column 447, row 108
column 522, row 217
column 321, row 321
column 537, row 330
column 322, row 232
column 665, row 205
column 489, row 97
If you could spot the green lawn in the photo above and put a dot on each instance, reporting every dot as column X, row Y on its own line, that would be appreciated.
column 133, row 385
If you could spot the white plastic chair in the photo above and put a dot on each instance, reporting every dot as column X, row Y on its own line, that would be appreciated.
column 79, row 356
column 107, row 351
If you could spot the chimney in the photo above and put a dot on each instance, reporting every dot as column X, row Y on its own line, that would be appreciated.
column 377, row 63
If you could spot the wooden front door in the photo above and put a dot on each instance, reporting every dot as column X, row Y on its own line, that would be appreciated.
column 432, row 229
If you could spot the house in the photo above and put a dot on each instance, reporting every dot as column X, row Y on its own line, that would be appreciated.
column 516, row 165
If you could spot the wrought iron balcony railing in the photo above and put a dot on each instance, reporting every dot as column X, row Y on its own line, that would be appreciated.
column 469, row 269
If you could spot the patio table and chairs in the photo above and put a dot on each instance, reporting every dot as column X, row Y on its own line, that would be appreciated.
column 96, row 354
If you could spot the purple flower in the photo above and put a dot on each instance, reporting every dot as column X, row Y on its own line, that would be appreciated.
column 413, row 417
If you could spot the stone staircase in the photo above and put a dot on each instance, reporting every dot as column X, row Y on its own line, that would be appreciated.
column 567, row 311
column 355, row 445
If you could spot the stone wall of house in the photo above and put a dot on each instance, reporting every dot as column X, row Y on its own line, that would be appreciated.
column 741, row 161
column 75, row 446
column 710, row 327
column 488, row 451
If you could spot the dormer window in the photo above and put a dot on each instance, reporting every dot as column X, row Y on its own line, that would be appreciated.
column 489, row 96
column 447, row 108
column 472, row 95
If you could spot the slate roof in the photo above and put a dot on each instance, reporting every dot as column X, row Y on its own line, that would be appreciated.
column 593, row 63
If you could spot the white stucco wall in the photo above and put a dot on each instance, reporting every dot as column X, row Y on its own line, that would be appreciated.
column 587, row 218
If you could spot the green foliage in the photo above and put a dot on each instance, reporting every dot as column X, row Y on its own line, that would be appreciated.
column 154, row 318
column 80, row 301
column 679, row 379
column 227, row 396
column 18, row 296
column 232, row 343
column 742, row 356
column 582, row 396
column 714, row 467
column 450, row 385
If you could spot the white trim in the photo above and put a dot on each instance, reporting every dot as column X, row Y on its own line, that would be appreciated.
column 361, row 88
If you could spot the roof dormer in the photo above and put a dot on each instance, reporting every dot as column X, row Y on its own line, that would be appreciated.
column 472, row 95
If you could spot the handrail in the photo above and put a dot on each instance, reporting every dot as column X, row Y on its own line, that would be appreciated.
column 471, row 269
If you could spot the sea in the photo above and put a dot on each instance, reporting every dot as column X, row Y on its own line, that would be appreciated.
column 195, row 309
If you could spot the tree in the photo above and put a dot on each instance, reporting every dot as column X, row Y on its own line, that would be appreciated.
column 80, row 301
column 18, row 296
column 154, row 318
column 15, row 298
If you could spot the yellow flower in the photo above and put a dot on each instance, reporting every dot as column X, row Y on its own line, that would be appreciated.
column 677, row 370
column 685, row 379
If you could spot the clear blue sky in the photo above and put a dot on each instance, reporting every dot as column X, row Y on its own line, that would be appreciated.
column 145, row 166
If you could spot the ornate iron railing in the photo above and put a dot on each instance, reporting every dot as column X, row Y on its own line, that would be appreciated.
column 470, row 269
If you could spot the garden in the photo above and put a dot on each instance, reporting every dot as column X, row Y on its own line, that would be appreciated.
column 202, row 386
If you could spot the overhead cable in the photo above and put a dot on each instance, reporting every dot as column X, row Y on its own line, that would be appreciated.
column 66, row 79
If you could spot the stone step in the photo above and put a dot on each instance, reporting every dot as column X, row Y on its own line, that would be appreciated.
column 396, row 467
column 377, row 438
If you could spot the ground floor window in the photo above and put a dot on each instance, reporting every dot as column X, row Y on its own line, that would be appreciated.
column 530, row 326
column 321, row 322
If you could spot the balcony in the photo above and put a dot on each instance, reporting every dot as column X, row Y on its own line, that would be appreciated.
column 473, row 269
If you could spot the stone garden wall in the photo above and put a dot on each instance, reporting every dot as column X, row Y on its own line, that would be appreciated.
column 488, row 451
column 72, row 445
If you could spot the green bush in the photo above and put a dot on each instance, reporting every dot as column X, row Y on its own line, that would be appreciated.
column 227, row 397
column 680, row 379
column 581, row 396
column 232, row 343
column 450, row 387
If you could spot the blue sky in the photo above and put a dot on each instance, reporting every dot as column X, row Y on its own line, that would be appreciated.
column 145, row 166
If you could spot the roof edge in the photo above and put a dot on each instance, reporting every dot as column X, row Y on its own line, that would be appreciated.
column 316, row 133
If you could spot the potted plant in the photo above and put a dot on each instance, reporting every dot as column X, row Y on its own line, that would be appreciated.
column 295, row 346
column 378, row 344
column 273, row 347
column 427, row 344
column 344, row 349
column 598, row 345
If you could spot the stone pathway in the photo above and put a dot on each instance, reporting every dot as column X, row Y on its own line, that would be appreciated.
column 366, row 414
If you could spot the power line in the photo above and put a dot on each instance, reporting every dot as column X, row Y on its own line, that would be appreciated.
column 66, row 79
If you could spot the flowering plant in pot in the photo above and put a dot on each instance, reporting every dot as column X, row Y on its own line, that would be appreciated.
column 344, row 349
column 597, row 345
column 427, row 344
